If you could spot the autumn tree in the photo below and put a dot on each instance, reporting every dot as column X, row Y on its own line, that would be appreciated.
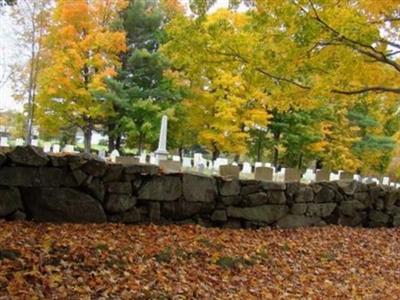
column 31, row 20
column 81, row 52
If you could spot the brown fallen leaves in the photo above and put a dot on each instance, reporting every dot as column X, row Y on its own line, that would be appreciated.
column 190, row 262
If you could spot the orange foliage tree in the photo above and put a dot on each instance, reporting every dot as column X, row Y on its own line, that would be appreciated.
column 82, row 51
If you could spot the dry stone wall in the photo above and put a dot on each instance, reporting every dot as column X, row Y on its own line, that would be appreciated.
column 82, row 188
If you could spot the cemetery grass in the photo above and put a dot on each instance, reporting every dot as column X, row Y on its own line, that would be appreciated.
column 112, row 261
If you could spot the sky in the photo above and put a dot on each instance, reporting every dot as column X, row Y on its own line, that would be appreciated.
column 9, row 54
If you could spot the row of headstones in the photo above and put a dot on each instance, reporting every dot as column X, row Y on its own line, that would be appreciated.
column 47, row 147
column 221, row 166
column 262, row 172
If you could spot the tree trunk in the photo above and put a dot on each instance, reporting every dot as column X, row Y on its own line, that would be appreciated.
column 111, row 143
column 140, row 143
column 87, row 135
column 118, row 142
column 277, row 136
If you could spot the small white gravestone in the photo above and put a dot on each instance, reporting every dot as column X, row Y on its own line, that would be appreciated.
column 56, row 148
column 114, row 154
column 197, row 159
column 392, row 184
column 153, row 159
column 258, row 165
column 102, row 154
column 234, row 164
column 4, row 142
column 309, row 175
column 246, row 168
column 19, row 142
column 35, row 143
column 187, row 162
column 268, row 165
column 385, row 180
column 47, row 147
column 69, row 149
column 357, row 177
column 142, row 158
column 176, row 158
column 397, row 185
column 333, row 176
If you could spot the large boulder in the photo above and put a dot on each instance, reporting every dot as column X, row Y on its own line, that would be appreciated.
column 95, row 188
column 256, row 199
column 29, row 156
column 119, row 187
column 277, row 197
column 199, row 188
column 350, row 208
column 161, row 188
column 320, row 209
column 62, row 205
column 115, row 203
column 325, row 194
column 294, row 221
column 304, row 194
column 264, row 213
column 181, row 209
column 50, row 176
column 3, row 159
column 10, row 201
column 19, row 176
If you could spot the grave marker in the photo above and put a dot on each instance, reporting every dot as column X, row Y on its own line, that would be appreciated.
column 229, row 171
column 292, row 175
column 346, row 176
column 264, row 174
column 322, row 175
column 170, row 166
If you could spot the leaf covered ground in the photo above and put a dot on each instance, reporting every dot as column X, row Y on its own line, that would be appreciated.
column 191, row 262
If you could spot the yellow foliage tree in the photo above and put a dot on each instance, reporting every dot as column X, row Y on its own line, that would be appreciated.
column 81, row 51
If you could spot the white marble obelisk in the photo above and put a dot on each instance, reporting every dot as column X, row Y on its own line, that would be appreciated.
column 162, row 153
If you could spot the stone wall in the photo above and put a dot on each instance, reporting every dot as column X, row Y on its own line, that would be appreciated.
column 82, row 188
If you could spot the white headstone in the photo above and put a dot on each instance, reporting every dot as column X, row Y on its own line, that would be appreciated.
column 114, row 154
column 102, row 154
column 268, row 165
column 47, row 147
column 385, row 181
column 56, row 148
column 19, row 142
column 176, row 158
column 309, row 175
column 153, row 159
column 161, row 152
column 246, row 168
column 35, row 143
column 4, row 142
column 187, row 162
column 142, row 158
column 333, row 176
column 357, row 177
